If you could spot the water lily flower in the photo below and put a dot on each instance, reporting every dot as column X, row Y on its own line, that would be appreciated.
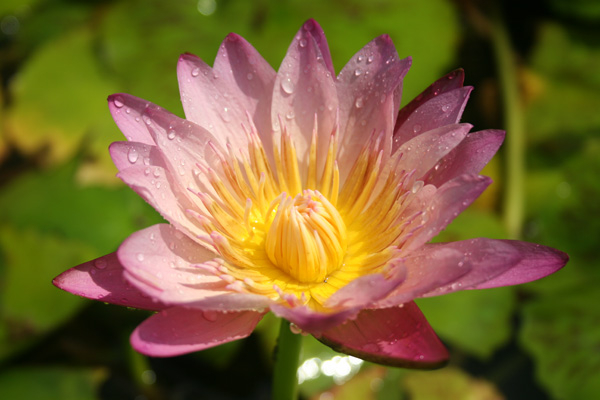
column 305, row 194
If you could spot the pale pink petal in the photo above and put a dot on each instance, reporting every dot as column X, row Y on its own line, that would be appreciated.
column 169, row 266
column 501, row 263
column 369, row 89
column 313, row 321
column 422, row 152
column 397, row 336
column 127, row 112
column 207, row 103
column 184, row 146
column 469, row 157
column 127, row 154
column 159, row 189
column 305, row 94
column 368, row 289
column 445, row 204
column 102, row 279
column 179, row 331
column 411, row 122
column 428, row 269
column 314, row 29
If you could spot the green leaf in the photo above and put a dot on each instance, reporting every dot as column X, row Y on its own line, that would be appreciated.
column 49, row 384
column 448, row 383
column 59, row 98
column 476, row 321
column 562, row 332
column 567, row 63
column 30, row 305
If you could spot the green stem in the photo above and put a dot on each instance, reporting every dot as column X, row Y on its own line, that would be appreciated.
column 287, row 356
column 514, row 200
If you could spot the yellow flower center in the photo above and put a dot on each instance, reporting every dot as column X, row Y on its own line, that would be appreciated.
column 282, row 226
column 307, row 237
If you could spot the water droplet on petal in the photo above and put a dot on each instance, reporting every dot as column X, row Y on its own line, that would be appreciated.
column 445, row 108
column 287, row 86
column 100, row 263
column 382, row 98
column 118, row 102
column 249, row 76
column 357, row 72
column 195, row 72
column 209, row 315
column 289, row 115
column 303, row 43
column 171, row 134
column 417, row 186
column 417, row 128
column 359, row 102
column 132, row 155
column 369, row 59
column 140, row 257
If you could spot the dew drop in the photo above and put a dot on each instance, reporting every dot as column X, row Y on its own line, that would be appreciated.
column 357, row 72
column 289, row 115
column 100, row 263
column 209, row 315
column 140, row 257
column 417, row 128
column 132, row 155
column 382, row 98
column 360, row 58
column 156, row 173
column 171, row 134
column 417, row 186
column 303, row 43
column 226, row 117
column 359, row 102
column 369, row 59
column 249, row 76
column 445, row 108
column 195, row 72
column 118, row 102
column 295, row 329
column 287, row 86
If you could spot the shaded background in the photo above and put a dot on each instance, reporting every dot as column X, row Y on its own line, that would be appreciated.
column 60, row 203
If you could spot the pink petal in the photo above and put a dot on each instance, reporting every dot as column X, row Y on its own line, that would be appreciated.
column 369, row 88
column 469, row 157
column 314, row 29
column 422, row 152
column 179, row 331
column 366, row 290
column 159, row 189
column 170, row 267
column 207, row 102
column 453, row 107
column 428, row 269
column 304, row 94
column 501, row 263
column 102, row 279
column 183, row 145
column 127, row 112
column 397, row 336
column 127, row 154
column 249, row 81
column 445, row 205
column 313, row 321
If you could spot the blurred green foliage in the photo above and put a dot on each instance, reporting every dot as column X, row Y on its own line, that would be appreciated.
column 61, row 204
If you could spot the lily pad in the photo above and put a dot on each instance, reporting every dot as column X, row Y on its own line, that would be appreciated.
column 562, row 332
column 476, row 321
